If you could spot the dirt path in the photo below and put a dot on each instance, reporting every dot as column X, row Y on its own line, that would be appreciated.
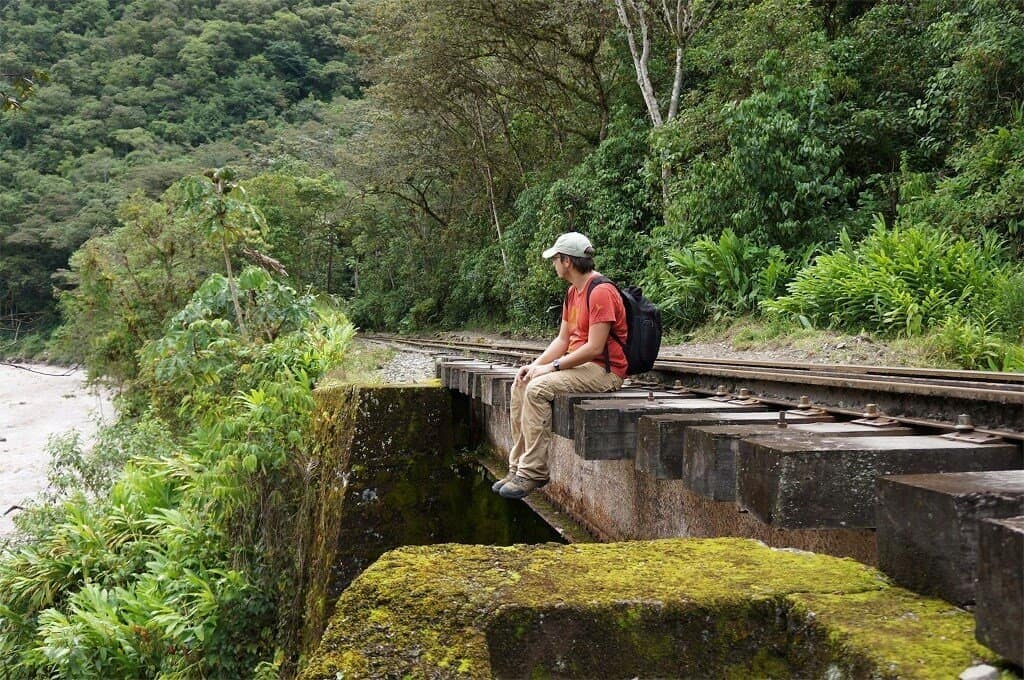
column 32, row 408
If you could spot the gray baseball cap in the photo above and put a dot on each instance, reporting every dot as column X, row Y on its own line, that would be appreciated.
column 570, row 243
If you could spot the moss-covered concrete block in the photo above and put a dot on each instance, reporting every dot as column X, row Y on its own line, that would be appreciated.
column 674, row 608
column 367, row 438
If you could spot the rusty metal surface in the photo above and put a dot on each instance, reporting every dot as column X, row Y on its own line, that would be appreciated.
column 863, row 369
column 923, row 397
column 912, row 402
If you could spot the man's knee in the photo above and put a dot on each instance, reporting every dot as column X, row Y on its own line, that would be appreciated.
column 538, row 390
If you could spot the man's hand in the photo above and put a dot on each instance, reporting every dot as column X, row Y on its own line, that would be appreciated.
column 521, row 374
column 528, row 373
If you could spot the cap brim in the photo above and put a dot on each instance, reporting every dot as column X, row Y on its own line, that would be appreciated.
column 549, row 253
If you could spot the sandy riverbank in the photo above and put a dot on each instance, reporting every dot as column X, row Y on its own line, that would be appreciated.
column 33, row 407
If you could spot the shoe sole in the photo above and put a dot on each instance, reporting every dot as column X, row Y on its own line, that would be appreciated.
column 523, row 495
column 496, row 487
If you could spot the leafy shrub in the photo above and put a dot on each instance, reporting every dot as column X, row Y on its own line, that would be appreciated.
column 976, row 345
column 985, row 191
column 185, row 566
column 606, row 197
column 981, row 53
column 901, row 281
column 1007, row 304
column 92, row 471
column 719, row 278
column 781, row 180
column 127, row 283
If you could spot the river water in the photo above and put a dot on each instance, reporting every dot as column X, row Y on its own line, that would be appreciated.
column 37, row 402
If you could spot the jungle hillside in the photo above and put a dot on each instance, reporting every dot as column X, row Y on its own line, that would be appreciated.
column 201, row 201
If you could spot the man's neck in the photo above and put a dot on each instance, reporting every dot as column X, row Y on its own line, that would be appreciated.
column 578, row 280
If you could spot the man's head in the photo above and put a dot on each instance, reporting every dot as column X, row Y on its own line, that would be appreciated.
column 573, row 249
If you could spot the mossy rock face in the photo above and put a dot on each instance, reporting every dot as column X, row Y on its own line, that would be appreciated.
column 729, row 608
column 365, row 439
column 385, row 475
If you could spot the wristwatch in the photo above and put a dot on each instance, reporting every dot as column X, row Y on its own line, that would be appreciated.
column 556, row 365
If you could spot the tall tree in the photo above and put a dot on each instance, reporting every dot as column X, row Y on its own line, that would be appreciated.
column 679, row 21
column 225, row 220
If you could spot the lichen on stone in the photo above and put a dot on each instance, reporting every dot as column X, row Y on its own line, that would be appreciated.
column 677, row 607
column 358, row 430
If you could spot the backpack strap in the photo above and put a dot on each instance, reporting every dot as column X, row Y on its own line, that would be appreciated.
column 594, row 283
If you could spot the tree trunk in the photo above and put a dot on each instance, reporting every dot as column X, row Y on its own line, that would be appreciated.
column 641, row 56
column 489, row 179
column 233, row 290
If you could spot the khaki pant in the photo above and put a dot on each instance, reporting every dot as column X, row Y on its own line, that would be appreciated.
column 530, row 413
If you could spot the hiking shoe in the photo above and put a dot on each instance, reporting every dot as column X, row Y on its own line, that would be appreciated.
column 520, row 487
column 496, row 487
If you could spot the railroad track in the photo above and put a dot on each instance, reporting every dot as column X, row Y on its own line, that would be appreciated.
column 975, row 403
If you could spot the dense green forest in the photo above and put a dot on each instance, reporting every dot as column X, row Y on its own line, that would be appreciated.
column 413, row 159
column 140, row 94
column 199, row 199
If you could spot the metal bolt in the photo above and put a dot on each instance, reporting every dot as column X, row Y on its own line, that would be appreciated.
column 964, row 423
column 744, row 393
column 804, row 403
column 720, row 391
column 871, row 411
column 782, row 424
column 677, row 385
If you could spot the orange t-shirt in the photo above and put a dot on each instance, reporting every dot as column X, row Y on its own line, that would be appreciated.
column 605, row 306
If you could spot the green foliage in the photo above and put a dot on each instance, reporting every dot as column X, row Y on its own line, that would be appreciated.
column 981, row 73
column 781, row 181
column 976, row 345
column 141, row 94
column 488, row 128
column 128, row 282
column 985, row 193
column 220, row 216
column 608, row 198
column 899, row 282
column 183, row 566
column 93, row 470
column 716, row 279
column 307, row 225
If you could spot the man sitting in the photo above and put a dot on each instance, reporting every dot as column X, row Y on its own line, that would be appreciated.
column 587, row 356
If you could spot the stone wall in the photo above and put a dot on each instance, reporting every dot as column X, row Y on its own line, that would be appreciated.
column 688, row 608
column 615, row 501
column 361, row 498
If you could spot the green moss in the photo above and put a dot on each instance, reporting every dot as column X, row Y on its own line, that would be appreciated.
column 720, row 607
column 895, row 631
column 333, row 430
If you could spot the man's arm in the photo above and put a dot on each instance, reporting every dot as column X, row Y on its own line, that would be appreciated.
column 592, row 349
column 554, row 350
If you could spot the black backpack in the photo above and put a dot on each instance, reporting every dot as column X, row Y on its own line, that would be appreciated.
column 643, row 324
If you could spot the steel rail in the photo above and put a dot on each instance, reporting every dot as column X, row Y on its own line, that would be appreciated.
column 999, row 412
column 905, row 395
column 982, row 379
column 830, row 371
column 938, row 373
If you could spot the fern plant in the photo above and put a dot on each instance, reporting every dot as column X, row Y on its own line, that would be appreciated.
column 898, row 282
column 724, row 277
